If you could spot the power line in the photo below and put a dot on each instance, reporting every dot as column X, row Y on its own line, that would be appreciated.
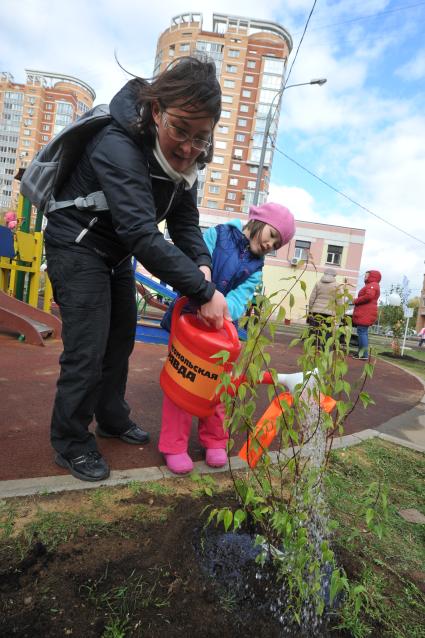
column 350, row 199
column 300, row 42
column 367, row 17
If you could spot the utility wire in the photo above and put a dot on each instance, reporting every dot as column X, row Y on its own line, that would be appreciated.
column 299, row 43
column 367, row 17
column 350, row 199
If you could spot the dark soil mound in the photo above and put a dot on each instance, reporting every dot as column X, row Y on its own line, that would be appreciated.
column 405, row 357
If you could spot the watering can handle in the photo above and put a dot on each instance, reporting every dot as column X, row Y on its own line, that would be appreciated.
column 177, row 310
column 227, row 325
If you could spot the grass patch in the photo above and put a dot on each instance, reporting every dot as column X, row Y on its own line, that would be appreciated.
column 417, row 366
column 54, row 528
column 390, row 568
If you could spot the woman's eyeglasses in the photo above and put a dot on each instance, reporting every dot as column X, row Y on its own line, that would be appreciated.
column 179, row 135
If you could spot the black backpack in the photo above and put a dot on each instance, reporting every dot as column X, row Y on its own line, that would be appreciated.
column 54, row 163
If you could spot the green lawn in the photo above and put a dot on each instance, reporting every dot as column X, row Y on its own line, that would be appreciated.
column 391, row 568
column 383, row 344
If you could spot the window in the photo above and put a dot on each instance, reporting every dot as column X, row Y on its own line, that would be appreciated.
column 223, row 129
column 237, row 152
column 211, row 203
column 229, row 84
column 27, row 132
column 236, row 167
column 49, row 106
column 249, row 79
column 240, row 137
column 212, row 188
column 234, row 53
column 185, row 46
column 242, row 121
column 45, row 138
column 215, row 175
column 231, row 68
column 226, row 114
column 246, row 93
column 231, row 195
column 251, row 64
column 227, row 99
column 230, row 209
column 220, row 144
column 274, row 66
column 172, row 50
column 46, row 127
column 218, row 159
column 251, row 184
column 233, row 181
column 267, row 96
column 271, row 82
column 334, row 255
column 244, row 108
column 64, row 108
column 253, row 170
column 302, row 249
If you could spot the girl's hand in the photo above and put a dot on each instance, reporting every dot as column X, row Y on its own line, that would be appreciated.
column 215, row 311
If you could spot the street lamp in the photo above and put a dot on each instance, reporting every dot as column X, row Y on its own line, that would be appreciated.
column 270, row 113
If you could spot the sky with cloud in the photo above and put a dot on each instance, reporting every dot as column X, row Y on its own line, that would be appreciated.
column 362, row 133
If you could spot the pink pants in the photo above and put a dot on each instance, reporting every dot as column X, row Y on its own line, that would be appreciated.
column 177, row 424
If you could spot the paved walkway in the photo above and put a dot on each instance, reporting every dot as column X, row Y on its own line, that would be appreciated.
column 27, row 384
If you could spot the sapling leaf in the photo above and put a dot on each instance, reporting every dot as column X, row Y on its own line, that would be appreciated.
column 228, row 517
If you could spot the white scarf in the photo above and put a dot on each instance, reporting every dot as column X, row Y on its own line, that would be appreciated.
column 189, row 176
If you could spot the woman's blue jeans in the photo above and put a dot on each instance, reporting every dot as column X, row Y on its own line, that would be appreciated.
column 362, row 333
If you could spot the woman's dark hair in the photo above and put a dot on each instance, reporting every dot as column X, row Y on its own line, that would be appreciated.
column 189, row 82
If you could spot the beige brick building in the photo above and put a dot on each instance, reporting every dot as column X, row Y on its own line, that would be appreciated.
column 251, row 57
column 30, row 114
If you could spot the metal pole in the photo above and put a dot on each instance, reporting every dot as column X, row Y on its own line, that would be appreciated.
column 405, row 335
column 262, row 157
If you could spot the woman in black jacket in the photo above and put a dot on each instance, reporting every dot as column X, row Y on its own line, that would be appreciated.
column 145, row 162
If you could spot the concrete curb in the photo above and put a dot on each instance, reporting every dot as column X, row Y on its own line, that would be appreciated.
column 51, row 484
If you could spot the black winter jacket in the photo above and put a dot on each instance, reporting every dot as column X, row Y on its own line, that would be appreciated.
column 139, row 195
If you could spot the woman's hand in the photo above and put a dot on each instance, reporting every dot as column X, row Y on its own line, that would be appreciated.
column 215, row 311
column 207, row 272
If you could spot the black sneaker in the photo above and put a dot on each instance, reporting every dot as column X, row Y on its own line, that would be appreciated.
column 134, row 435
column 356, row 356
column 87, row 467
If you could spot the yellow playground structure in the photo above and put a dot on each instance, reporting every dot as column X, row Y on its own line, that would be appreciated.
column 25, row 290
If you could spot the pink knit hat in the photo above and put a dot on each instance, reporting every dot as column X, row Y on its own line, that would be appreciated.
column 277, row 216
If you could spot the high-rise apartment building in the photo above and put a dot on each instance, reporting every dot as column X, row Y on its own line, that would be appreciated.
column 251, row 57
column 30, row 114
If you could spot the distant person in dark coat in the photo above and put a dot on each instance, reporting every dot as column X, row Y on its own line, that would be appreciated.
column 366, row 311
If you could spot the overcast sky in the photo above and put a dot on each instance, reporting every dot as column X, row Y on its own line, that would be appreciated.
column 363, row 132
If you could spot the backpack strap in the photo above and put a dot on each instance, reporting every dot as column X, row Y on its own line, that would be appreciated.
column 93, row 202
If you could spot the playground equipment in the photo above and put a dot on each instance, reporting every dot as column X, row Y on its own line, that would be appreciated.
column 152, row 293
column 20, row 280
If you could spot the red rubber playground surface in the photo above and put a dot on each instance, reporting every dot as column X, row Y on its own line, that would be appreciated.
column 27, row 383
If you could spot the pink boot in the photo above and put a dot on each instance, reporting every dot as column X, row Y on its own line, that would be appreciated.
column 179, row 463
column 216, row 457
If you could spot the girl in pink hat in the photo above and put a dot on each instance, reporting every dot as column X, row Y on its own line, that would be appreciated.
column 237, row 253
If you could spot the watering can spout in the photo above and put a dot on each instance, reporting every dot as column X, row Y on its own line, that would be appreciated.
column 292, row 380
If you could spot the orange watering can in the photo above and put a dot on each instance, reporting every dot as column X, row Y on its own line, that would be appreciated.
column 190, row 376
